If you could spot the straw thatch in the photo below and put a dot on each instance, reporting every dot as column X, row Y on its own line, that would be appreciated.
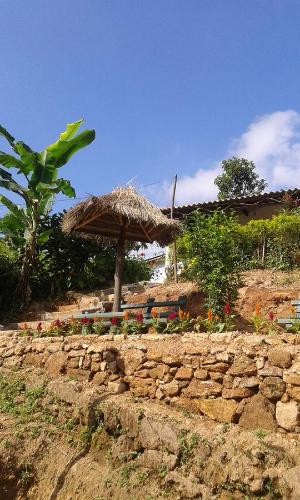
column 102, row 216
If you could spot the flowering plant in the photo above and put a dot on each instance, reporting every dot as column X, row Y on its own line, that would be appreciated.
column 155, row 321
column 228, row 318
column 272, row 323
column 258, row 321
column 56, row 329
column 86, row 326
column 74, row 327
column 114, row 329
column 172, row 323
column 98, row 326
column 211, row 322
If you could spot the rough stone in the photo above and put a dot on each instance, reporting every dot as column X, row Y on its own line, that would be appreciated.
column 292, row 478
column 162, row 352
column 218, row 377
column 272, row 387
column 288, row 415
column 154, row 459
column 201, row 374
column 117, row 387
column 243, row 366
column 129, row 360
column 270, row 371
column 248, row 382
column 171, row 389
column 156, row 434
column 189, row 487
column 73, row 363
column 292, row 376
column 294, row 393
column 259, row 413
column 79, row 374
column 199, row 388
column 129, row 419
column 184, row 373
column 142, row 387
column 100, row 378
column 219, row 409
column 65, row 390
column 56, row 363
column 159, row 371
column 280, row 358
column 237, row 393
column 218, row 367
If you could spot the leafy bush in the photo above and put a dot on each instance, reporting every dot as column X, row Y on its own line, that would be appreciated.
column 271, row 243
column 65, row 262
column 209, row 248
column 8, row 275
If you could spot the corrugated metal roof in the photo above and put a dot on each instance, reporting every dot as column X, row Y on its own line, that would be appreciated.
column 264, row 198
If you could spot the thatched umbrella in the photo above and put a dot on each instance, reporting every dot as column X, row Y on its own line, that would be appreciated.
column 118, row 216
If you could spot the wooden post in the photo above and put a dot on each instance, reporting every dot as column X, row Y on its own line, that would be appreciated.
column 119, row 269
column 175, row 246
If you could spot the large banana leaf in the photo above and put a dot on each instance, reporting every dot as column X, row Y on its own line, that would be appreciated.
column 7, row 181
column 10, row 161
column 70, row 130
column 61, row 151
column 12, row 207
column 7, row 135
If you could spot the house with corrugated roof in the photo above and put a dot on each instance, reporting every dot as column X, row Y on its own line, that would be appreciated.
column 259, row 206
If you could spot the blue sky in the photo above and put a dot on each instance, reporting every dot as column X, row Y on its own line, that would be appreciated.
column 171, row 86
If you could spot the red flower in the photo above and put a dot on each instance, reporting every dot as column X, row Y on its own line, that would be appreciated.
column 271, row 316
column 85, row 321
column 39, row 327
column 139, row 318
column 57, row 322
column 172, row 316
column 227, row 308
column 114, row 321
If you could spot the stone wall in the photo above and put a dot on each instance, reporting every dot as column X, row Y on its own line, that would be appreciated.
column 246, row 379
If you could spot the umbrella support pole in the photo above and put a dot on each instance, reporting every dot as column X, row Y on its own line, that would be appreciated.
column 119, row 269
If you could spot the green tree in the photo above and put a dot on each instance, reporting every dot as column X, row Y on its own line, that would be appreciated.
column 39, row 184
column 238, row 179
column 65, row 262
column 209, row 249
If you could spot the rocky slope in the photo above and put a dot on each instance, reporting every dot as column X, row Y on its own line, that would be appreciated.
column 87, row 445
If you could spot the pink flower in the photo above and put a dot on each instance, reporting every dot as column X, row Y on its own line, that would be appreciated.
column 271, row 316
column 139, row 318
column 39, row 327
column 227, row 308
column 57, row 322
column 172, row 316
column 114, row 321
column 85, row 321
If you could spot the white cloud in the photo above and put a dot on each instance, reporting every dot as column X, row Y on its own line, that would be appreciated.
column 272, row 141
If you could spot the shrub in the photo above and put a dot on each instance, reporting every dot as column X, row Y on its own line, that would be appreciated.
column 271, row 243
column 8, row 275
column 209, row 248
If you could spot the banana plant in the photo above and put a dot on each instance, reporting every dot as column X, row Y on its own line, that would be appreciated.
column 38, row 185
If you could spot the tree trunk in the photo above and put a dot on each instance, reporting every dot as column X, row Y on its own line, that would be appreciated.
column 23, row 289
column 119, row 269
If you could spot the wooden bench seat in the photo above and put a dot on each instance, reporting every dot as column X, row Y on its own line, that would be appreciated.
column 288, row 322
column 151, row 304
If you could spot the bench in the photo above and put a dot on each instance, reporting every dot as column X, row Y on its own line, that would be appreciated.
column 288, row 322
column 151, row 304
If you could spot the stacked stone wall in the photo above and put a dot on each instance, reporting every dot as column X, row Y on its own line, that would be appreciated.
column 245, row 379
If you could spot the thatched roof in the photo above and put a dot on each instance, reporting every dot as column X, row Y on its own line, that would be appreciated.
column 102, row 216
